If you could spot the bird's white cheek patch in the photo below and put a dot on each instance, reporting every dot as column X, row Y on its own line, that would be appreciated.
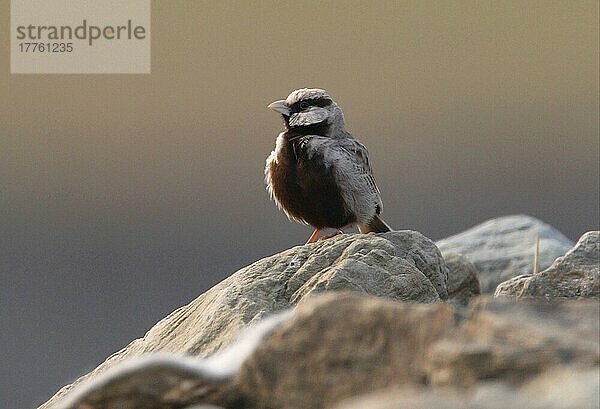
column 312, row 116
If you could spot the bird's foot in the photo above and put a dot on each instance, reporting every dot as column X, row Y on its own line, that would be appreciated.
column 338, row 232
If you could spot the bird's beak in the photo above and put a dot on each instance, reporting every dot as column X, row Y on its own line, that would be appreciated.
column 280, row 107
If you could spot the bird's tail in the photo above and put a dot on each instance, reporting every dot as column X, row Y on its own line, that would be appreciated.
column 376, row 225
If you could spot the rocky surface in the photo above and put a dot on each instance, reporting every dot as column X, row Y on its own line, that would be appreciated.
column 504, row 247
column 512, row 342
column 169, row 381
column 576, row 274
column 561, row 388
column 402, row 265
column 463, row 278
column 339, row 346
column 358, row 321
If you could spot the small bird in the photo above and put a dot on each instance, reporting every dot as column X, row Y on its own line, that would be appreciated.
column 319, row 174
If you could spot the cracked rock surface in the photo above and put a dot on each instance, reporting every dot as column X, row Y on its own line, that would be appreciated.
column 400, row 265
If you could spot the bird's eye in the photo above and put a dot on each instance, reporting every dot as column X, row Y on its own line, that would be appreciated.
column 304, row 105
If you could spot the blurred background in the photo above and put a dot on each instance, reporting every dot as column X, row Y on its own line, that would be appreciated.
column 123, row 197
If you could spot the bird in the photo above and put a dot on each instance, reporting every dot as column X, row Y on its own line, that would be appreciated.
column 319, row 174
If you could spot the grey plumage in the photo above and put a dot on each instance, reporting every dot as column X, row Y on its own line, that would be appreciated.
column 316, row 150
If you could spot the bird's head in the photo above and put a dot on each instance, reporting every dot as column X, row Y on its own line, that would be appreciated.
column 310, row 111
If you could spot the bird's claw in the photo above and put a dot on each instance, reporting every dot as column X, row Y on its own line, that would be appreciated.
column 331, row 235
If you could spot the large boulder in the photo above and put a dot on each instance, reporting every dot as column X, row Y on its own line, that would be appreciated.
column 504, row 247
column 576, row 274
column 339, row 346
column 402, row 265
column 320, row 346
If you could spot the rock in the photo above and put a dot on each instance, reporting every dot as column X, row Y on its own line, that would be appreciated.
column 504, row 247
column 156, row 382
column 576, row 274
column 340, row 345
column 463, row 281
column 509, row 341
column 402, row 265
column 402, row 398
column 323, row 345
column 204, row 407
column 561, row 388
column 169, row 381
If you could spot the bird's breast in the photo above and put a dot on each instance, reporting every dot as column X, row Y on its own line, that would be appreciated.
column 304, row 187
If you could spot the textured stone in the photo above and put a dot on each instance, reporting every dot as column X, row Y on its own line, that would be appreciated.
column 560, row 388
column 169, row 381
column 402, row 265
column 327, row 346
column 463, row 278
column 339, row 345
column 576, row 274
column 157, row 382
column 499, row 339
column 204, row 407
column 504, row 247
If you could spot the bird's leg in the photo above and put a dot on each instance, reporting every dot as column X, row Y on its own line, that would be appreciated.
column 313, row 237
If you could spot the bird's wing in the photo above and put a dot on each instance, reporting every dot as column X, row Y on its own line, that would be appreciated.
column 349, row 161
column 357, row 158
